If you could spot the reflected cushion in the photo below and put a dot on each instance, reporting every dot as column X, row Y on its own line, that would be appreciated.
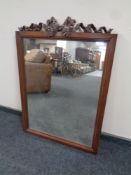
column 35, row 56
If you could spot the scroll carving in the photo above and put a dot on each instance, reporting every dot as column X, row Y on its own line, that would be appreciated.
column 52, row 27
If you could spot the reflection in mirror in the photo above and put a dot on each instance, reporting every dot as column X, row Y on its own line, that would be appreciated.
column 63, row 81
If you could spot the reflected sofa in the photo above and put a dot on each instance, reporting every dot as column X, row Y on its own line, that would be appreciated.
column 38, row 70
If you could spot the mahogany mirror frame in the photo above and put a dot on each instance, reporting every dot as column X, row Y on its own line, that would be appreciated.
column 78, row 36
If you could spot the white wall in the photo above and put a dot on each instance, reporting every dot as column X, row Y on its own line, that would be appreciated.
column 111, row 13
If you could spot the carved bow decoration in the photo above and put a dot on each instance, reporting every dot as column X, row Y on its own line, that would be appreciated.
column 52, row 27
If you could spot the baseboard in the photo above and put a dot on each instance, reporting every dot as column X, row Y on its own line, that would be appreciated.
column 105, row 136
column 114, row 138
column 10, row 110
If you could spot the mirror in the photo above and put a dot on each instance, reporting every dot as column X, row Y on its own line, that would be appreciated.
column 64, row 84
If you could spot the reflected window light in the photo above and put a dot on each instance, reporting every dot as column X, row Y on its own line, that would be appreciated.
column 100, row 43
column 61, row 43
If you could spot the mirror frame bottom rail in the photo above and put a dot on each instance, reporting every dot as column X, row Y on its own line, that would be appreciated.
column 61, row 140
column 77, row 36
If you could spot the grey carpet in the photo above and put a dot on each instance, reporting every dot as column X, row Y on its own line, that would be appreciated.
column 68, row 110
column 24, row 154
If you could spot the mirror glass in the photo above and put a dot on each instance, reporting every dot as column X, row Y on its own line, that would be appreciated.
column 63, row 81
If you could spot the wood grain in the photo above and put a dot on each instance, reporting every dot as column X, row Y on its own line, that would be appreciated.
column 77, row 36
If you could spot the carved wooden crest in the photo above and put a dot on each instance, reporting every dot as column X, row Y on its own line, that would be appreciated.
column 52, row 27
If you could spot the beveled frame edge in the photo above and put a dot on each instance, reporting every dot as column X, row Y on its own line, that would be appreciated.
column 109, row 57
column 111, row 43
column 20, row 55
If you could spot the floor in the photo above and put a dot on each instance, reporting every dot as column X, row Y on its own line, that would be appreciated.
column 97, row 73
column 24, row 154
column 68, row 110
